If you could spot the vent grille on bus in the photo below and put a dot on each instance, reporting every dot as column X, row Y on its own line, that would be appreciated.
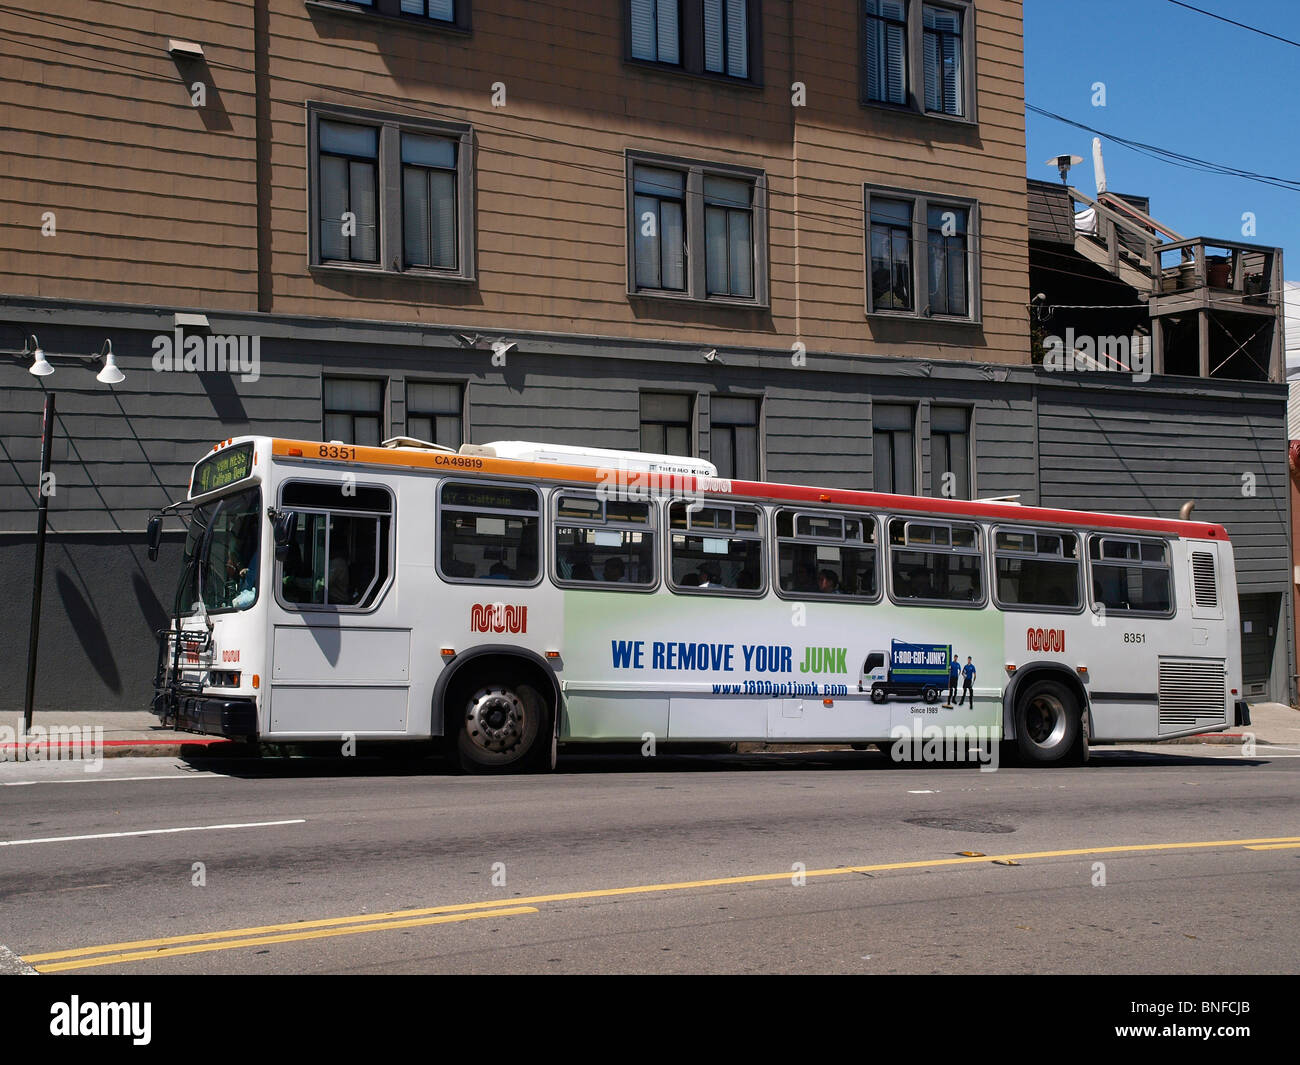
column 1207, row 589
column 1193, row 693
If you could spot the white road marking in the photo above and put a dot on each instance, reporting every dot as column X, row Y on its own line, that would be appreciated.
column 148, row 832
column 109, row 780
column 923, row 793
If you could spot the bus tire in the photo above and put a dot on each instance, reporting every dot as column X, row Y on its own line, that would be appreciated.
column 504, row 727
column 877, row 693
column 1048, row 724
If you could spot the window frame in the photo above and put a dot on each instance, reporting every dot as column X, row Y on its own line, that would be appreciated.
column 696, row 290
column 389, row 193
column 381, row 591
column 690, row 45
column 652, row 526
column 491, row 582
column 977, row 552
column 914, row 61
column 759, row 534
column 385, row 404
column 1033, row 608
column 796, row 512
column 1167, row 566
column 390, row 12
column 922, row 202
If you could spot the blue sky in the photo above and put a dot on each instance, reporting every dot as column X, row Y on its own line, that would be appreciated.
column 1179, row 80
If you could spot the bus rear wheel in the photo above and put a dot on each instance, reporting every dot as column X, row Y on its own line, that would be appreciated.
column 503, row 728
column 1048, row 725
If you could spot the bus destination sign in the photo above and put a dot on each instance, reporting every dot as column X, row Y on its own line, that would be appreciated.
column 223, row 468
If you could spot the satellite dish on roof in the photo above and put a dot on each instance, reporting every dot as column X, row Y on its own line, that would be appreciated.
column 1063, row 164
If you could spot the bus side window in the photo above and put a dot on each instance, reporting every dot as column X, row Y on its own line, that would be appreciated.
column 1037, row 569
column 935, row 562
column 600, row 541
column 715, row 549
column 825, row 555
column 489, row 533
column 1131, row 574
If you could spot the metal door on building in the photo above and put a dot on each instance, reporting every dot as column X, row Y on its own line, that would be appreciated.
column 1259, row 614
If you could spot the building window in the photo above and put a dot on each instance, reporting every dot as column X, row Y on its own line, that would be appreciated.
column 729, row 231
column 893, row 459
column 919, row 57
column 945, row 277
column 666, row 424
column 886, row 48
column 354, row 410
column 733, row 437
column 714, row 38
column 660, row 203
column 891, row 254
column 950, row 451
column 442, row 14
column 429, row 201
column 392, row 195
column 948, row 260
column 435, row 412
column 349, row 192
column 697, row 231
column 944, row 67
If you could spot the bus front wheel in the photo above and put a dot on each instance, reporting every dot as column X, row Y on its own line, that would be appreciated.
column 503, row 728
column 1048, row 730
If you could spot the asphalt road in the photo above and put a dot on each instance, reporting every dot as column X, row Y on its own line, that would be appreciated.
column 675, row 865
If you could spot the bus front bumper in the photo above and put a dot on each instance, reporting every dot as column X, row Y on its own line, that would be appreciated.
column 232, row 718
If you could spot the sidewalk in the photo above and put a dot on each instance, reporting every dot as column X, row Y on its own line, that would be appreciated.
column 135, row 733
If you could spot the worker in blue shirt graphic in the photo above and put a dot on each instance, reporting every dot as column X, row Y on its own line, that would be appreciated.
column 967, row 682
column 954, row 674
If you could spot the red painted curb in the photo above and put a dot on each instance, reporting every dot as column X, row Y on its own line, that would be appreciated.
column 41, row 744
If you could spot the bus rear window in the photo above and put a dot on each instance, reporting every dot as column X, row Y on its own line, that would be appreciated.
column 489, row 533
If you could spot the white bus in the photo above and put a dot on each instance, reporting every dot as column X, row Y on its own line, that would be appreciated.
column 510, row 597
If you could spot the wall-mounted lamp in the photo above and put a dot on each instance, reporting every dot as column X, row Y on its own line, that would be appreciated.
column 184, row 49
column 110, row 374
column 40, row 365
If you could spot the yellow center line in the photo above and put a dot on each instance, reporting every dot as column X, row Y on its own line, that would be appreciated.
column 203, row 941
column 1272, row 846
column 323, row 933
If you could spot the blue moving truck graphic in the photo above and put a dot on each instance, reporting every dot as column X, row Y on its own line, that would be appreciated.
column 910, row 669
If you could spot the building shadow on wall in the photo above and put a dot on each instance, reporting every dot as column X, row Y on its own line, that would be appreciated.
column 85, row 622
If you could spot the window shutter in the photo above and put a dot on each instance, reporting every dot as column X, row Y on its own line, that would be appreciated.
column 738, row 38
column 442, row 9
column 668, row 34
column 932, row 75
column 713, row 58
column 896, row 64
column 643, row 29
column 952, row 76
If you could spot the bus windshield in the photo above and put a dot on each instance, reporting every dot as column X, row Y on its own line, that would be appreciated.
column 221, row 555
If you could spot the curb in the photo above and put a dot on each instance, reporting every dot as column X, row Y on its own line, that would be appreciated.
column 1226, row 739
column 111, row 749
column 12, row 965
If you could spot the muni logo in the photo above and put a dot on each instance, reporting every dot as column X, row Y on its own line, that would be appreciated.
column 498, row 617
column 1046, row 640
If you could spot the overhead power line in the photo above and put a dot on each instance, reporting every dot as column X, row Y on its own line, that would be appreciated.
column 1234, row 22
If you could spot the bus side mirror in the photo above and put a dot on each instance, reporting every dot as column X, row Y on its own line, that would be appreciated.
column 286, row 524
column 155, row 536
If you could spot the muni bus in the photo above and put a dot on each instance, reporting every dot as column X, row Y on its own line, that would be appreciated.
column 514, row 596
